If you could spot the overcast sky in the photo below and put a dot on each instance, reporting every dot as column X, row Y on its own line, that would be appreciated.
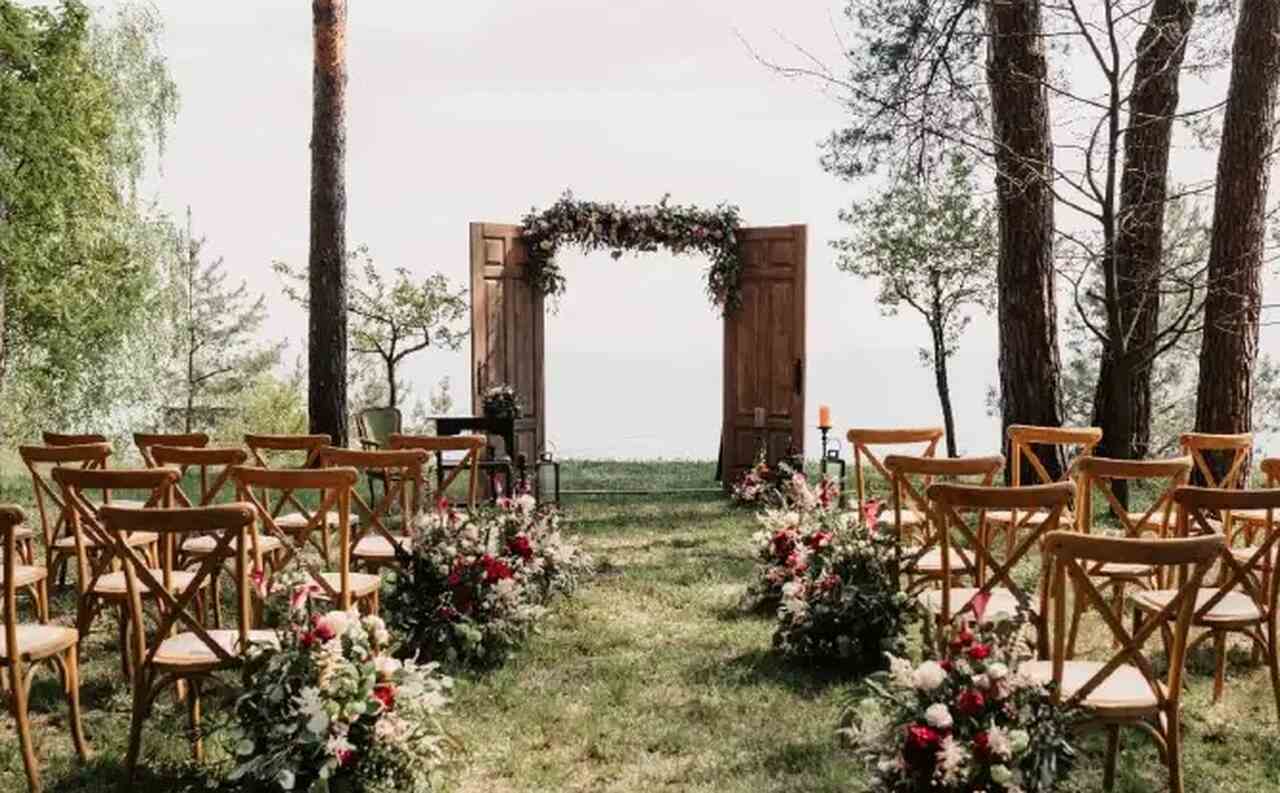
column 477, row 110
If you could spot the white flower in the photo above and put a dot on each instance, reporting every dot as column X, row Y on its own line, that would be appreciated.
column 900, row 672
column 1001, row 775
column 385, row 666
column 997, row 671
column 999, row 743
column 952, row 759
column 285, row 779
column 938, row 716
column 1019, row 740
column 928, row 676
column 526, row 503
column 335, row 622
column 981, row 681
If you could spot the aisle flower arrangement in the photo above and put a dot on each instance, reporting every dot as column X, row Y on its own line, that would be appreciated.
column 762, row 485
column 971, row 722
column 476, row 582
column 330, row 709
column 787, row 533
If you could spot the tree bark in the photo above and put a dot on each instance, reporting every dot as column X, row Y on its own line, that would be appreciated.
column 1122, row 399
column 327, row 393
column 944, row 389
column 1027, row 310
column 1224, row 396
column 391, row 382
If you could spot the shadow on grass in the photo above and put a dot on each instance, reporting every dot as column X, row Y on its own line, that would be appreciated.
column 47, row 695
column 807, row 679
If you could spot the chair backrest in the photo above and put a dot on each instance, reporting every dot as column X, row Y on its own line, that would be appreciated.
column 471, row 445
column 11, row 518
column 863, row 439
column 1074, row 442
column 40, row 462
column 145, row 441
column 71, row 438
column 1099, row 473
column 230, row 524
column 1197, row 505
column 83, row 516
column 403, row 469
column 1070, row 555
column 909, row 494
column 1206, row 449
column 377, row 425
column 285, row 451
column 951, row 502
column 333, row 486
column 213, row 466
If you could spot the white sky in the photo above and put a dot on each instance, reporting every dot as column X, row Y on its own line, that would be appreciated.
column 478, row 109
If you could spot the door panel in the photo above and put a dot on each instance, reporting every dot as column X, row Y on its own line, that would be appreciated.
column 507, row 325
column 764, row 350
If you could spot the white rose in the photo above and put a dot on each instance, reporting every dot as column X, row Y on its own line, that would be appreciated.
column 928, row 676
column 526, row 503
column 981, row 681
column 336, row 622
column 938, row 716
column 386, row 667
column 900, row 671
column 997, row 671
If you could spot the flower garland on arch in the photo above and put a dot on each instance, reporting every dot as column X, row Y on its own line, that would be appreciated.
column 592, row 225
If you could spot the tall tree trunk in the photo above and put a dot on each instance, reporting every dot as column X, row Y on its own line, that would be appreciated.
column 328, row 287
column 944, row 389
column 391, row 382
column 1122, row 399
column 1027, row 310
column 1224, row 397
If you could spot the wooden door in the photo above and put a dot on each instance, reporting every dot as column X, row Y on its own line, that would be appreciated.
column 507, row 324
column 764, row 349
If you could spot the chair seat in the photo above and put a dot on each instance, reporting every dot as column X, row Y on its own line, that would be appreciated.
column 293, row 521
column 24, row 575
column 1235, row 607
column 1004, row 517
column 1123, row 570
column 40, row 641
column 1124, row 689
column 910, row 517
column 188, row 649
column 203, row 546
column 362, row 584
column 931, row 561
column 1002, row 600
column 375, row 546
column 1254, row 515
column 114, row 584
column 23, row 533
column 127, row 503
column 1246, row 553
column 133, row 540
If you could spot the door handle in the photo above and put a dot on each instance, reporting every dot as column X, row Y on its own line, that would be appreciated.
column 799, row 377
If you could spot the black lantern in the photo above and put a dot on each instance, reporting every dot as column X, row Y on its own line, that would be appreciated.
column 547, row 478
column 831, row 459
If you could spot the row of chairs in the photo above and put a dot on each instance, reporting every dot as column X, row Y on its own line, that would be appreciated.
column 1196, row 558
column 197, row 514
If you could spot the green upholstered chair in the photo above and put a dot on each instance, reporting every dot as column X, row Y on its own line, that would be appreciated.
column 374, row 427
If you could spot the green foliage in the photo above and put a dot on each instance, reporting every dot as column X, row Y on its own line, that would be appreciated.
column 392, row 315
column 214, row 328
column 269, row 405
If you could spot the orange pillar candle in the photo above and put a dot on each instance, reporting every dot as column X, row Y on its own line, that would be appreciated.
column 824, row 415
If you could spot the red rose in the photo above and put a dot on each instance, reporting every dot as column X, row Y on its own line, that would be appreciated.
column 970, row 702
column 982, row 745
column 946, row 665
column 308, row 639
column 521, row 547
column 783, row 545
column 978, row 652
column 386, row 694
column 345, row 757
column 321, row 631
column 817, row 539
column 447, row 613
column 962, row 639
column 495, row 570
column 921, row 745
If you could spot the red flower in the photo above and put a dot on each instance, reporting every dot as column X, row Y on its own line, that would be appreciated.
column 970, row 702
column 979, row 651
column 783, row 544
column 946, row 665
column 345, row 757
column 962, row 639
column 921, row 745
column 980, row 602
column 447, row 613
column 495, row 570
column 455, row 575
column 829, row 582
column 982, row 745
column 521, row 547
column 386, row 694
column 817, row 539
column 321, row 631
column 308, row 639
column 871, row 512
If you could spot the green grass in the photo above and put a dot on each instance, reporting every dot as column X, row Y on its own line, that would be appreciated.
column 652, row 679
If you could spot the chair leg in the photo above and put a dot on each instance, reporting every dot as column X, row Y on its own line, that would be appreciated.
column 42, row 600
column 1077, row 610
column 1219, row 665
column 193, row 711
column 71, row 679
column 122, row 630
column 141, row 697
column 1273, row 660
column 1113, row 750
column 18, row 698
column 1173, row 748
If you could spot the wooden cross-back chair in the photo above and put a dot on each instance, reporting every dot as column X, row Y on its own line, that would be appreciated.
column 910, row 478
column 863, row 439
column 23, row 645
column 294, row 452
column 376, row 542
column 472, row 446
column 181, row 649
column 1125, row 690
column 99, row 585
column 146, row 441
column 71, row 438
column 950, row 504
column 1072, row 442
column 1098, row 475
column 333, row 487
column 1243, row 597
column 211, row 484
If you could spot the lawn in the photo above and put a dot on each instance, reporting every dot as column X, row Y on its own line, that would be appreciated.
column 653, row 679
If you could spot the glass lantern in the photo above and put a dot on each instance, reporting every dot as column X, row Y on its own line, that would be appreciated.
column 547, row 478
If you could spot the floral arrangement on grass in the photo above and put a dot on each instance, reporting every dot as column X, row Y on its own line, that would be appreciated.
column 501, row 401
column 592, row 225
column 763, row 485
column 477, row 581
column 787, row 534
column 330, row 709
column 969, row 723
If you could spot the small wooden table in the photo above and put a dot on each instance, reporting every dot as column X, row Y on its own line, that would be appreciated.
column 495, row 467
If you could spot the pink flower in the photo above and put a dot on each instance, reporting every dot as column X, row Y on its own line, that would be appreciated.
column 871, row 512
column 980, row 602
column 259, row 580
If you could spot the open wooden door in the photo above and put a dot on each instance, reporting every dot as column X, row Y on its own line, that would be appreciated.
column 507, row 323
column 764, row 348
